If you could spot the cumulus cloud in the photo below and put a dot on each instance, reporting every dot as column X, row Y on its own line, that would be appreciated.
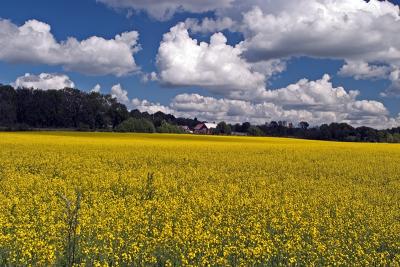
column 319, row 94
column 165, row 9
column 44, row 81
column 362, row 33
column 210, row 108
column 352, row 30
column 365, row 71
column 357, row 113
column 219, row 68
column 150, row 107
column 120, row 94
column 149, row 77
column 314, row 101
column 216, row 66
column 210, row 25
column 394, row 88
column 33, row 42
column 96, row 89
column 362, row 70
column 344, row 29
column 222, row 70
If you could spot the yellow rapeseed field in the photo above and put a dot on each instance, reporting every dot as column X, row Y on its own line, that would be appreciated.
column 93, row 199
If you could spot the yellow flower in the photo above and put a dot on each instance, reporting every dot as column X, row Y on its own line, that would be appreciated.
column 101, row 199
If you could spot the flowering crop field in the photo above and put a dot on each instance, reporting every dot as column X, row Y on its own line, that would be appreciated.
column 102, row 199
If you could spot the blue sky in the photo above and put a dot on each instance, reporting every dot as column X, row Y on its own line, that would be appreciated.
column 86, row 18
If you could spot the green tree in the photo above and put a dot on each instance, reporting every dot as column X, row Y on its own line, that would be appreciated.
column 166, row 127
column 136, row 125
column 8, row 106
column 223, row 128
column 255, row 131
column 304, row 125
column 396, row 138
column 117, row 112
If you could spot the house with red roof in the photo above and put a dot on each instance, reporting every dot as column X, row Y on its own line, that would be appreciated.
column 204, row 128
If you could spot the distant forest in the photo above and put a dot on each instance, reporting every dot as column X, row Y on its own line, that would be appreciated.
column 72, row 109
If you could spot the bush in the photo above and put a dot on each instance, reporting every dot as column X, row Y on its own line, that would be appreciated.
column 169, row 128
column 20, row 127
column 396, row 138
column 135, row 125
column 83, row 127
column 255, row 131
column 223, row 128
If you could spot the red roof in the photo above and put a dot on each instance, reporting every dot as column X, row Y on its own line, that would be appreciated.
column 199, row 126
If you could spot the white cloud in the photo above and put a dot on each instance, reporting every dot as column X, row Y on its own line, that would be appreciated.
column 361, row 33
column 33, row 42
column 221, row 69
column 353, row 30
column 362, row 70
column 120, row 94
column 317, row 102
column 364, row 34
column 344, row 29
column 319, row 95
column 96, row 88
column 357, row 113
column 216, row 66
column 143, row 105
column 165, row 9
column 150, row 107
column 211, row 109
column 44, row 81
column 149, row 77
column 209, row 25
column 394, row 88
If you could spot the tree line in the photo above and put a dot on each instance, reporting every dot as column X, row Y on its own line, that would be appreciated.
column 28, row 109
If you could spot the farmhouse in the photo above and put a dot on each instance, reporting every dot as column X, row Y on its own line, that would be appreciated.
column 204, row 128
